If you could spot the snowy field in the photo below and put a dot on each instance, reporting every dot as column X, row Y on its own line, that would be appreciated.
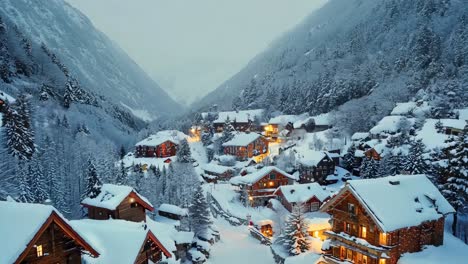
column 238, row 246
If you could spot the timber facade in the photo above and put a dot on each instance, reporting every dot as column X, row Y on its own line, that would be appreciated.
column 254, row 148
column 163, row 150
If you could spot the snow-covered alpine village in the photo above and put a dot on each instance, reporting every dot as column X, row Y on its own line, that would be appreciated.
column 343, row 142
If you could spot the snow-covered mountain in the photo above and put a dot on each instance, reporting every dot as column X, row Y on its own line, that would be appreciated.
column 383, row 51
column 99, row 64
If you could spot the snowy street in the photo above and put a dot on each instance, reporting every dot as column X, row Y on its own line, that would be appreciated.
column 237, row 246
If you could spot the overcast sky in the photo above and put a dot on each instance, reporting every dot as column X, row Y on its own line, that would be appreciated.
column 191, row 46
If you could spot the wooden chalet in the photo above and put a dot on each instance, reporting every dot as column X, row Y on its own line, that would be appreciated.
column 172, row 211
column 117, row 202
column 258, row 187
column 310, row 196
column 161, row 145
column 375, row 221
column 246, row 145
column 36, row 233
column 315, row 166
column 122, row 241
column 214, row 172
column 242, row 120
column 453, row 127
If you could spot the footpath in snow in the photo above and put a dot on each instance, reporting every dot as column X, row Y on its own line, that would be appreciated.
column 237, row 246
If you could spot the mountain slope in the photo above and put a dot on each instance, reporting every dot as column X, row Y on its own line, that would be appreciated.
column 100, row 65
column 384, row 51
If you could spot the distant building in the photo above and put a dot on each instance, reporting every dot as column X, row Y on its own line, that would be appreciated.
column 160, row 145
column 242, row 120
column 315, row 166
column 117, row 202
column 214, row 172
column 258, row 187
column 172, row 211
column 311, row 196
column 246, row 145
column 375, row 221
column 36, row 233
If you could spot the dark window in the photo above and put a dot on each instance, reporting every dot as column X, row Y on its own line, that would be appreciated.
column 351, row 208
column 272, row 176
column 133, row 205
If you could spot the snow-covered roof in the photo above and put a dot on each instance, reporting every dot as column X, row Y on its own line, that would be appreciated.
column 19, row 223
column 117, row 241
column 112, row 196
column 413, row 198
column 321, row 120
column 5, row 97
column 285, row 119
column 162, row 136
column 317, row 221
column 360, row 136
column 301, row 193
column 429, row 135
column 389, row 124
column 173, row 209
column 299, row 123
column 411, row 108
column 215, row 168
column 242, row 139
column 242, row 116
column 183, row 237
column 311, row 158
column 257, row 175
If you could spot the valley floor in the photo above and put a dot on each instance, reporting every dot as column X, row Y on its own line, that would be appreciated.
column 238, row 246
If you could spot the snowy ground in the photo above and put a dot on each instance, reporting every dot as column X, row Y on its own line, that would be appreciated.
column 238, row 246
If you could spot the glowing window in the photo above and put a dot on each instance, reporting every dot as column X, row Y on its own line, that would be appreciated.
column 363, row 231
column 39, row 251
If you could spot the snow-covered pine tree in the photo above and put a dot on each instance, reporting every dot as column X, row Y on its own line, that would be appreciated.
column 122, row 174
column 456, row 187
column 199, row 214
column 93, row 183
column 19, row 133
column 349, row 159
column 295, row 238
column 39, row 188
column 414, row 162
column 184, row 154
column 228, row 134
column 369, row 168
column 25, row 194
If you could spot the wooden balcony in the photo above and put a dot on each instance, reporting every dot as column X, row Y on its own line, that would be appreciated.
column 356, row 244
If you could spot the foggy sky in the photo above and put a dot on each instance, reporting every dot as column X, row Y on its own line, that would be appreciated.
column 191, row 46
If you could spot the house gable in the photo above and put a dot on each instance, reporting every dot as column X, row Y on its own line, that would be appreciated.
column 55, row 220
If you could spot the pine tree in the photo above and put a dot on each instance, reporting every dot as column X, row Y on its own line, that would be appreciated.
column 122, row 152
column 369, row 168
column 199, row 212
column 456, row 187
column 18, row 130
column 39, row 188
column 93, row 183
column 24, row 190
column 349, row 159
column 228, row 134
column 184, row 155
column 122, row 175
column 415, row 163
column 295, row 238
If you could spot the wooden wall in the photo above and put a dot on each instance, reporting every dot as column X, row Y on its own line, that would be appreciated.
column 125, row 211
column 57, row 248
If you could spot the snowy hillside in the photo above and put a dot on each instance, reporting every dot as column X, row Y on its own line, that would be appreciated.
column 98, row 63
column 336, row 56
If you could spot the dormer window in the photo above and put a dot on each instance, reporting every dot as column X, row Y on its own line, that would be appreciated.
column 134, row 205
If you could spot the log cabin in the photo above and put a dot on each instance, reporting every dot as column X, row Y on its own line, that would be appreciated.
column 214, row 172
column 246, row 145
column 122, row 241
column 310, row 196
column 375, row 221
column 160, row 145
column 315, row 166
column 172, row 211
column 258, row 187
column 36, row 233
column 242, row 120
column 117, row 202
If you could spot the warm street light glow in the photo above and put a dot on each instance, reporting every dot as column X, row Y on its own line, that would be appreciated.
column 132, row 200
column 250, row 198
